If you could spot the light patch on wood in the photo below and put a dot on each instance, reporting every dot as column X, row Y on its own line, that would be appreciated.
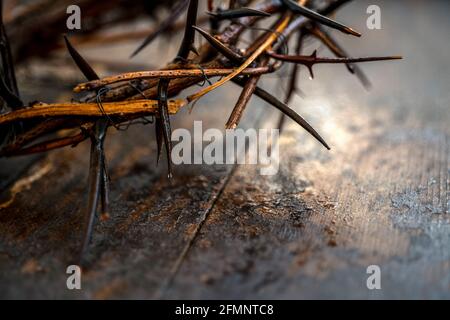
column 25, row 184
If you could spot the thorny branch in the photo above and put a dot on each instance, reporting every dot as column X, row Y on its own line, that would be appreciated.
column 115, row 100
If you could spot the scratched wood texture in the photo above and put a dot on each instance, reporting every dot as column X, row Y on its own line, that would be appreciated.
column 381, row 196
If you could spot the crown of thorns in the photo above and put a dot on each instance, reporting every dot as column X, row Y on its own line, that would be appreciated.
column 126, row 99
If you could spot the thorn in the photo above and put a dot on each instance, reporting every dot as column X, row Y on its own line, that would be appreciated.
column 95, row 181
column 219, row 46
column 82, row 64
column 212, row 14
column 241, row 104
column 266, row 96
column 194, row 50
column 166, row 24
column 349, row 30
column 7, row 61
column 296, row 8
column 163, row 87
column 10, row 98
column 189, row 33
column 159, row 139
column 98, row 177
column 339, row 52
column 311, row 60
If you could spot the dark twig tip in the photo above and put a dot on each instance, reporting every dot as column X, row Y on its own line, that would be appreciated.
column 353, row 32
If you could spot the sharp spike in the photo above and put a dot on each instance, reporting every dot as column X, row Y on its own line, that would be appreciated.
column 10, row 98
column 311, row 60
column 95, row 181
column 238, row 13
column 293, row 83
column 82, row 64
column 165, row 25
column 194, row 50
column 286, row 110
column 105, row 187
column 189, row 33
column 159, row 139
column 163, row 88
column 340, row 52
column 295, row 7
column 98, row 176
column 6, row 57
column 311, row 72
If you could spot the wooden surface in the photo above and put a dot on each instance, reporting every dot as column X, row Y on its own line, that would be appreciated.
column 381, row 196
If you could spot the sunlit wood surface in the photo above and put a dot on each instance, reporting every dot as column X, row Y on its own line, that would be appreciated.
column 379, row 197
